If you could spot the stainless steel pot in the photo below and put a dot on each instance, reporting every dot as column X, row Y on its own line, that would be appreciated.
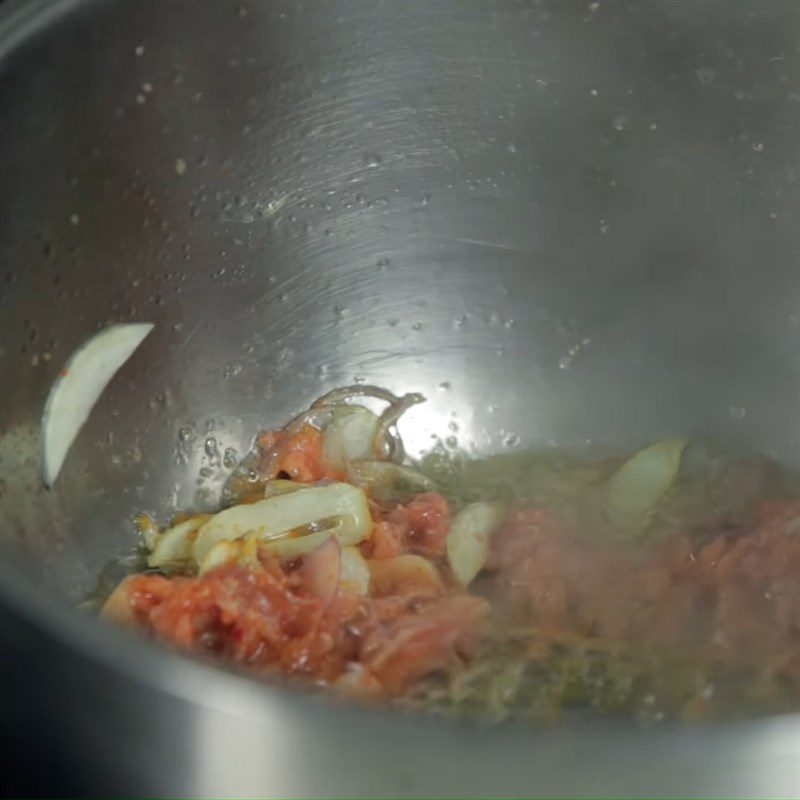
column 563, row 222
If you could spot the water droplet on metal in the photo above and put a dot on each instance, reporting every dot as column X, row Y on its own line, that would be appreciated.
column 230, row 458
column 620, row 122
column 572, row 353
column 737, row 413
column 212, row 451
column 705, row 74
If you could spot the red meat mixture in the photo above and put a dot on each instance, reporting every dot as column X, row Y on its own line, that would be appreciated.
column 721, row 604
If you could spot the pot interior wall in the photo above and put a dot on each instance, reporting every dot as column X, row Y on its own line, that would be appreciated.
column 564, row 223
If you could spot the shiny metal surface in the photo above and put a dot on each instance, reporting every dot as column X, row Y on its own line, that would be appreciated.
column 562, row 222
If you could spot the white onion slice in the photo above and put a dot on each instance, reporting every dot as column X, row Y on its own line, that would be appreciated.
column 243, row 551
column 292, row 547
column 468, row 539
column 78, row 387
column 174, row 546
column 272, row 519
column 221, row 553
column 350, row 436
column 387, row 475
column 405, row 573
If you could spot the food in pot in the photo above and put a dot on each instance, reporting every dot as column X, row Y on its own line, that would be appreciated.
column 662, row 585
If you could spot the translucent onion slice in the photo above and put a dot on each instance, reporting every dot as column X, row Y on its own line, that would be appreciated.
column 637, row 486
column 404, row 574
column 349, row 436
column 345, row 393
column 339, row 508
column 243, row 551
column 293, row 546
column 174, row 546
column 222, row 553
column 386, row 444
column 78, row 387
column 387, row 480
column 469, row 537
column 279, row 486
